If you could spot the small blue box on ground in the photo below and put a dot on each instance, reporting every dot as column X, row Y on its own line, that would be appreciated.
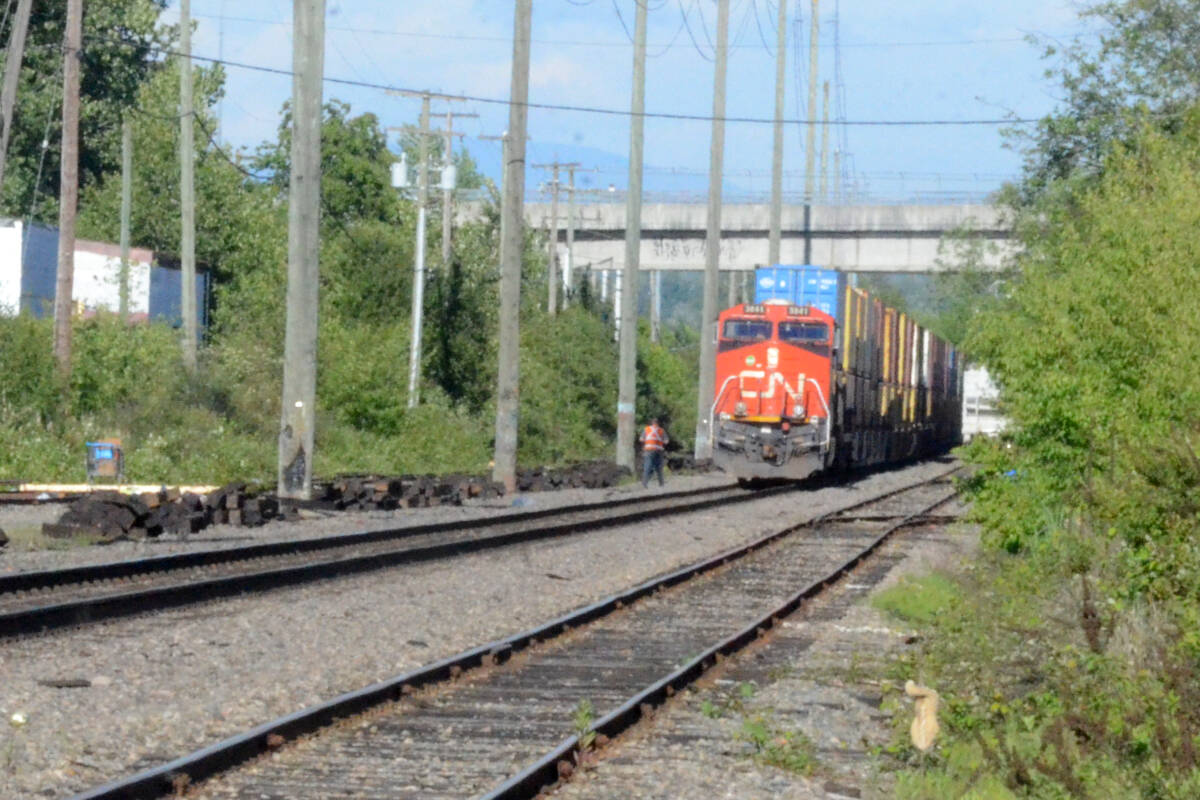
column 105, row 460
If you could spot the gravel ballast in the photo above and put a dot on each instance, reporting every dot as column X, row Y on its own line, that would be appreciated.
column 137, row 692
column 823, row 676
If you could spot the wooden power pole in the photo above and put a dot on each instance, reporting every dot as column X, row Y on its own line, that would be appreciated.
column 825, row 146
column 552, row 261
column 68, row 188
column 126, row 212
column 627, row 348
column 776, row 223
column 811, row 144
column 448, row 189
column 12, row 78
column 512, row 214
column 569, row 266
column 552, row 231
column 298, row 413
column 187, row 189
column 712, row 254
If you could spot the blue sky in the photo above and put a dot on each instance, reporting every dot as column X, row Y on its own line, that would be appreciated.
column 936, row 59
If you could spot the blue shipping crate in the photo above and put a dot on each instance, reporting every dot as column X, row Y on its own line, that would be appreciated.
column 802, row 285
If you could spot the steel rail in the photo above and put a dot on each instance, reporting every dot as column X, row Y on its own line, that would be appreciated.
column 44, row 579
column 534, row 779
column 202, row 764
column 41, row 619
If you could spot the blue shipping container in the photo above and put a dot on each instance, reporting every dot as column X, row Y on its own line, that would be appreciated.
column 39, row 273
column 39, row 258
column 166, row 302
column 802, row 285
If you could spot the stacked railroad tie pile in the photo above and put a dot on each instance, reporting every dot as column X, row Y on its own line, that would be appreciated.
column 109, row 516
column 588, row 475
column 369, row 492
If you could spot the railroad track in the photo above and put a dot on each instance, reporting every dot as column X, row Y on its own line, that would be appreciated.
column 35, row 602
column 496, row 721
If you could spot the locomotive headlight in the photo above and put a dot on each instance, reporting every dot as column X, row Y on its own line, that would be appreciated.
column 740, row 409
column 772, row 357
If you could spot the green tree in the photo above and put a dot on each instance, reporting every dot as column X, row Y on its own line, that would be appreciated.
column 120, row 41
column 231, row 205
column 1143, row 68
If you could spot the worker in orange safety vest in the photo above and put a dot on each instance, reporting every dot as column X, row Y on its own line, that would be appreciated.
column 654, row 440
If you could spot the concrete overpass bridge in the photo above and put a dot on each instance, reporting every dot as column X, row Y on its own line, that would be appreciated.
column 892, row 238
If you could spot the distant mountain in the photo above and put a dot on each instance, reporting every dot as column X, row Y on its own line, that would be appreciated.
column 599, row 170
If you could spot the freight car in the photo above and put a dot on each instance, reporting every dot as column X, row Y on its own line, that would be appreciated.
column 817, row 375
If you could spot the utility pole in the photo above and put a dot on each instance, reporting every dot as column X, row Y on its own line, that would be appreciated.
column 126, row 211
column 712, row 255
column 837, row 175
column 825, row 146
column 12, row 77
column 448, row 188
column 68, row 187
column 187, row 186
column 655, row 304
column 569, row 268
column 221, row 61
column 508, row 375
column 304, row 219
column 627, row 367
column 552, row 231
column 811, row 154
column 776, row 223
column 418, row 292
column 503, row 139
column 552, row 263
column 418, row 288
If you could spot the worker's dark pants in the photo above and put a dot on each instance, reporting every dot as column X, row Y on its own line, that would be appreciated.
column 652, row 462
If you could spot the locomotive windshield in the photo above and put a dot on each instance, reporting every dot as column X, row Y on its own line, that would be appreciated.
column 803, row 332
column 747, row 330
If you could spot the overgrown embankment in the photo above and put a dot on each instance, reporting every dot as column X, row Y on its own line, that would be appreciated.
column 1069, row 658
column 221, row 424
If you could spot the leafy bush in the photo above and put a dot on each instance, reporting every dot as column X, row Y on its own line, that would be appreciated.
column 29, row 385
column 1070, row 664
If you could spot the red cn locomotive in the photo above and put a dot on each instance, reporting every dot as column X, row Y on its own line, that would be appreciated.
column 800, row 390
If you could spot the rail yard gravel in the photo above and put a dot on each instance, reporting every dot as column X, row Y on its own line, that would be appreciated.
column 105, row 700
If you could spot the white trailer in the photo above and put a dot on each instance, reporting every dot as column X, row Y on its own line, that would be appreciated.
column 28, row 265
column 981, row 409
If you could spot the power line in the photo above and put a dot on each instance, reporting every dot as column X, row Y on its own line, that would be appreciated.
column 704, row 25
column 622, row 44
column 687, row 24
column 621, row 17
column 761, row 36
column 582, row 109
